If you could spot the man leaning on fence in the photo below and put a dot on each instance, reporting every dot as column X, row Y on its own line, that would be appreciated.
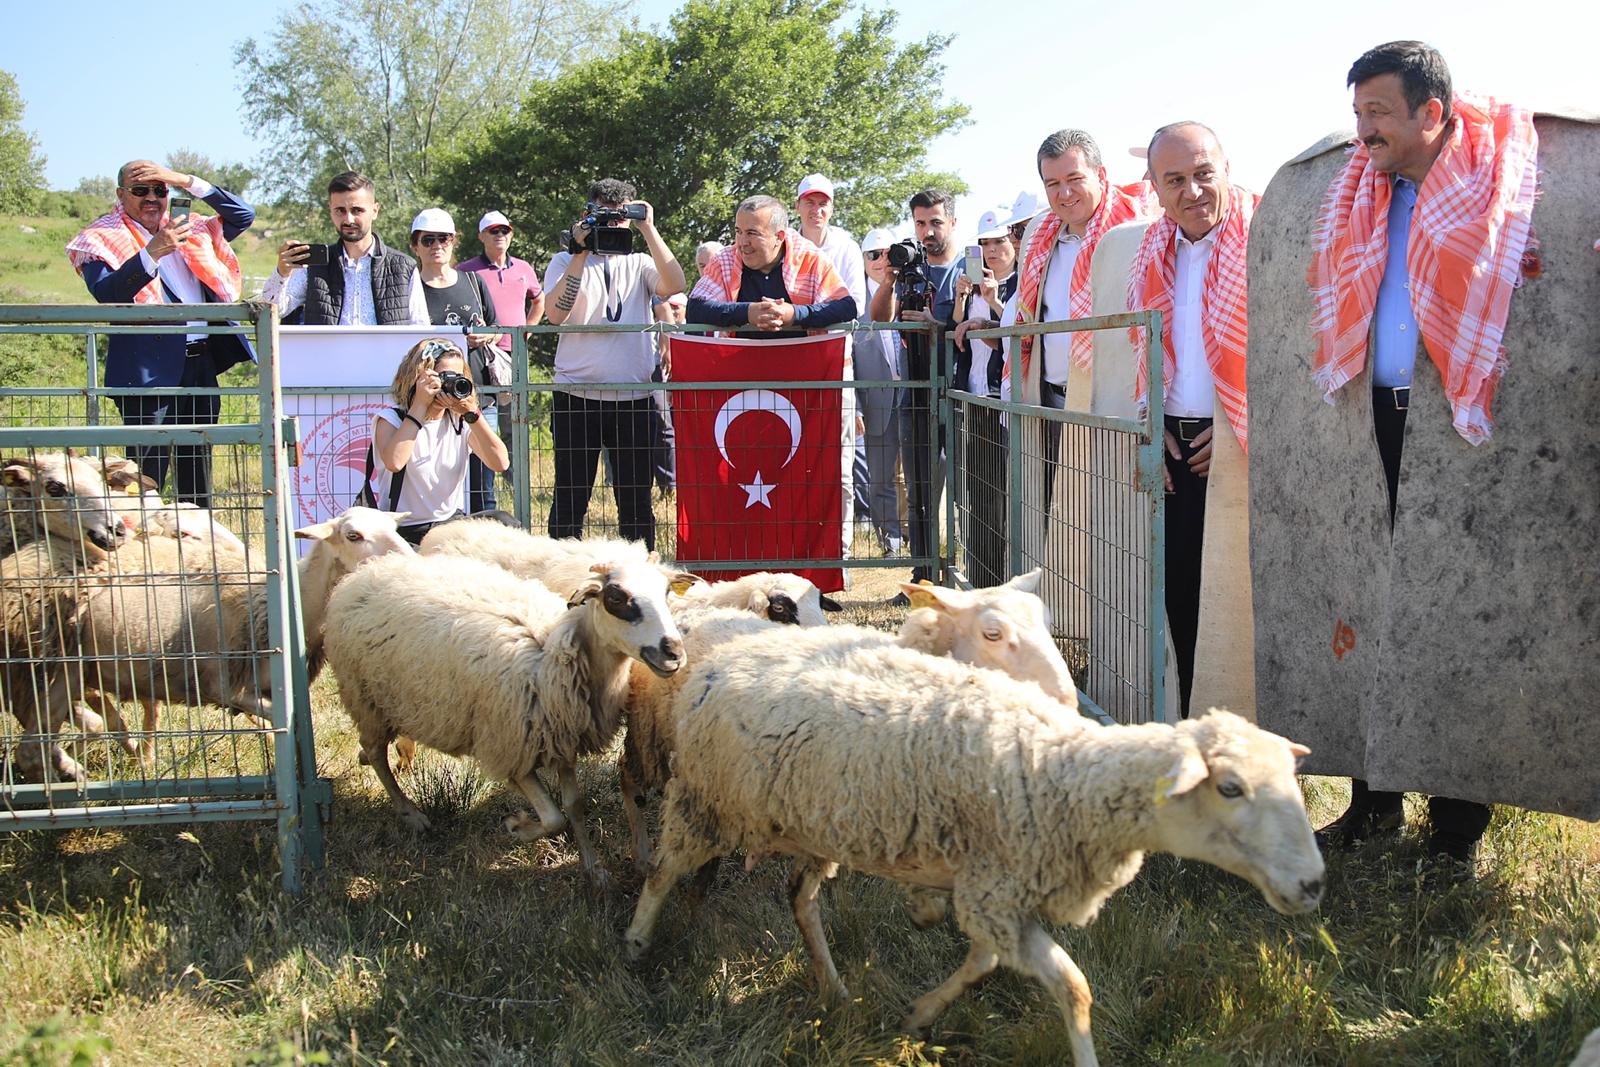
column 139, row 254
column 588, row 288
column 360, row 281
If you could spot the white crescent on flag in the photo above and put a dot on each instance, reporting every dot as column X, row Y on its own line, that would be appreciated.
column 757, row 400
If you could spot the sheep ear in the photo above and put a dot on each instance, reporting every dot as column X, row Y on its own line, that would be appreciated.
column 828, row 603
column 1298, row 751
column 681, row 582
column 585, row 592
column 1188, row 771
column 399, row 516
column 928, row 595
column 1027, row 583
column 317, row 532
column 18, row 473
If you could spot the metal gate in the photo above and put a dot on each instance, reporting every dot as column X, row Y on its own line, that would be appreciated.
column 120, row 654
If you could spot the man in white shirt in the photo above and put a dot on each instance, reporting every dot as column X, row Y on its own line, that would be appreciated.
column 355, row 281
column 586, row 287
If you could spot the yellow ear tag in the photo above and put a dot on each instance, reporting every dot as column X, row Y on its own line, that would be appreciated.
column 683, row 584
column 134, row 489
column 1163, row 784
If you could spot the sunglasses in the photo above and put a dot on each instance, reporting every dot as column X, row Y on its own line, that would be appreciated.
column 876, row 253
column 498, row 231
column 428, row 240
column 148, row 190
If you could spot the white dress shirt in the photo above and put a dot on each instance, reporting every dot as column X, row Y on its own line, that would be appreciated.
column 1193, row 394
column 845, row 255
column 357, row 309
column 172, row 269
column 1054, row 305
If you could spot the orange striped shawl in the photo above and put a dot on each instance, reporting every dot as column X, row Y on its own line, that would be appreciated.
column 808, row 274
column 113, row 240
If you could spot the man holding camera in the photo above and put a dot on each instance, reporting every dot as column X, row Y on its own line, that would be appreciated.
column 357, row 281
column 600, row 279
column 923, row 289
column 143, row 253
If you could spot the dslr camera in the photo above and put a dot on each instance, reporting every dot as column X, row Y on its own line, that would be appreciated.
column 455, row 386
column 603, row 237
column 913, row 289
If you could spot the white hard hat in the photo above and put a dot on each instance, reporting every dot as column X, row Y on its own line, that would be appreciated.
column 876, row 239
column 433, row 220
column 990, row 226
column 1024, row 208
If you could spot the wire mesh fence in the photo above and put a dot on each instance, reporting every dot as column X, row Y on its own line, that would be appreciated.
column 145, row 655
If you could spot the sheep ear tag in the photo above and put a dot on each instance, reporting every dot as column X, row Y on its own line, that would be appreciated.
column 1188, row 771
column 683, row 583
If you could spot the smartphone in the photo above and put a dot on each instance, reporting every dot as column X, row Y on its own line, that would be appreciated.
column 975, row 264
column 316, row 256
column 178, row 207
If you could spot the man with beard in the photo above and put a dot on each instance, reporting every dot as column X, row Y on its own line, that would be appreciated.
column 140, row 254
column 360, row 282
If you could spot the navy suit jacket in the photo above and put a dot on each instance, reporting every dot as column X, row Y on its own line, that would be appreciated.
column 148, row 360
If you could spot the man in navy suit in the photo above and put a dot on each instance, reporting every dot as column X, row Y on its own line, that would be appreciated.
column 139, row 254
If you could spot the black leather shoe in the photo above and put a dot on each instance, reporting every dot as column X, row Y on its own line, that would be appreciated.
column 1358, row 824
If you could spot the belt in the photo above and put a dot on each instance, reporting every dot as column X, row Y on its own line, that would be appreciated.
column 1055, row 390
column 1392, row 398
column 1185, row 429
column 197, row 348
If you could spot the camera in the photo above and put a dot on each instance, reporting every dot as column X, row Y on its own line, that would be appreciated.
column 913, row 289
column 455, row 386
column 604, row 237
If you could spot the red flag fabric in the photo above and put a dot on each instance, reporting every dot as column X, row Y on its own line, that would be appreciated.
column 759, row 469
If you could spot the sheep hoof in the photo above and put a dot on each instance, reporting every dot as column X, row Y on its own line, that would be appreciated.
column 524, row 827
column 634, row 948
column 88, row 721
column 414, row 820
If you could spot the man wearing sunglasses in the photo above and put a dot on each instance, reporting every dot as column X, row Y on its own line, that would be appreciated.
column 512, row 282
column 140, row 254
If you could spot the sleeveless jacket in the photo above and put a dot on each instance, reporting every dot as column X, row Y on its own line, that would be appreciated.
column 391, row 287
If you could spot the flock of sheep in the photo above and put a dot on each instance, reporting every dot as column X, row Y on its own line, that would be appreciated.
column 949, row 758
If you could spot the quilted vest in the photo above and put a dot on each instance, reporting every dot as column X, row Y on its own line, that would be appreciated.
column 391, row 287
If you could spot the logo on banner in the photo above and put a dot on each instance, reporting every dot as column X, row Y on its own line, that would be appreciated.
column 759, row 491
column 333, row 460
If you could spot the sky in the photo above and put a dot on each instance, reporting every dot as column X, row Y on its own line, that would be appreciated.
column 1268, row 77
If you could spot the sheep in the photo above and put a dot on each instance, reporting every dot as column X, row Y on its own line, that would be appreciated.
column 466, row 658
column 175, row 624
column 781, row 597
column 562, row 564
column 969, row 781
column 1004, row 628
column 1589, row 1054
column 135, row 495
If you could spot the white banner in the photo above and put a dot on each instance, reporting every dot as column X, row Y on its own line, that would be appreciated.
column 336, row 428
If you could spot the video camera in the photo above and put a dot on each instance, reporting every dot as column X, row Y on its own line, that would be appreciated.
column 913, row 289
column 603, row 237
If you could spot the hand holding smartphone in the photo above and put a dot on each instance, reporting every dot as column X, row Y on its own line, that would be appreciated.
column 974, row 265
column 178, row 208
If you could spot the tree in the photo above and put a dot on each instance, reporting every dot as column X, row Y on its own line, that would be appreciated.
column 737, row 97
column 234, row 177
column 381, row 86
column 103, row 186
column 21, row 165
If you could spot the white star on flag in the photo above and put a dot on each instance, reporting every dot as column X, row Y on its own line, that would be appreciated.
column 757, row 493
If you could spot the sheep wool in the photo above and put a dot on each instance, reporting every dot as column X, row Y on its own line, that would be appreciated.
column 562, row 565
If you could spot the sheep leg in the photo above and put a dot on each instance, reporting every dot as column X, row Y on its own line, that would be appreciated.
column 405, row 752
column 980, row 963
column 704, row 880
column 680, row 853
column 57, row 704
column 550, row 818
column 632, row 809
column 152, row 718
column 805, row 881
column 377, row 757
column 926, row 906
column 1038, row 955
column 573, row 803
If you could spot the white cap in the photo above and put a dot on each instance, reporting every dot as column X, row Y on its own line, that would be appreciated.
column 433, row 220
column 1024, row 208
column 876, row 239
column 990, row 226
column 814, row 183
column 677, row 300
column 493, row 218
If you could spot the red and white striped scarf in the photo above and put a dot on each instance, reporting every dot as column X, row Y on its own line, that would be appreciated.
column 1118, row 204
column 808, row 274
column 114, row 240
column 1469, row 229
column 1224, row 303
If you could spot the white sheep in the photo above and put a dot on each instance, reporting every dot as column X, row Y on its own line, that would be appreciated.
column 776, row 595
column 135, row 495
column 938, row 774
column 1004, row 628
column 468, row 659
column 562, row 564
column 1589, row 1054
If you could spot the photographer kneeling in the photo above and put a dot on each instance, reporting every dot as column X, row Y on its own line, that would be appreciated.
column 421, row 446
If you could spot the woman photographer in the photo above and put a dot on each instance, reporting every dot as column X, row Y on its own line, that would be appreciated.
column 460, row 300
column 422, row 445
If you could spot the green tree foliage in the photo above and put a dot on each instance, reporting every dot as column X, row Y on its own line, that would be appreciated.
column 380, row 86
column 21, row 165
column 737, row 97
column 101, row 186
column 234, row 177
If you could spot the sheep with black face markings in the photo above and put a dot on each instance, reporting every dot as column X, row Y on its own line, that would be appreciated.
column 470, row 660
column 810, row 744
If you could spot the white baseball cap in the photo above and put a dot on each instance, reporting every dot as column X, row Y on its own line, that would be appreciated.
column 876, row 239
column 814, row 183
column 494, row 218
column 433, row 220
column 1024, row 208
column 990, row 226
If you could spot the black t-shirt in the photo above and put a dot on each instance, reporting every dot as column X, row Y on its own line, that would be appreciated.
column 459, row 304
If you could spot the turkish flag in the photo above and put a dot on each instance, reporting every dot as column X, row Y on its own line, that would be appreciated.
column 759, row 474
